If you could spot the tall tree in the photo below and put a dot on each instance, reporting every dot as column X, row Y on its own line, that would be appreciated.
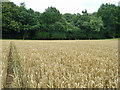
column 28, row 19
column 51, row 15
column 20, row 22
column 109, row 13
column 10, row 24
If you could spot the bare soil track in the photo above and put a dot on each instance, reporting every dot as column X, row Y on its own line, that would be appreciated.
column 9, row 77
column 13, row 69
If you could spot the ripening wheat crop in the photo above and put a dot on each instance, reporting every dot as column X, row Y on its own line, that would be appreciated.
column 69, row 64
column 4, row 50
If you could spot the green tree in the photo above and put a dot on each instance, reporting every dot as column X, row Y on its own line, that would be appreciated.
column 29, row 21
column 89, row 24
column 51, row 15
column 109, row 14
column 49, row 19
column 57, row 31
column 20, row 22
column 96, row 26
column 10, row 24
column 118, row 22
column 42, row 35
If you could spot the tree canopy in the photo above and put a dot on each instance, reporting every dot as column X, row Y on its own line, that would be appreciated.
column 18, row 22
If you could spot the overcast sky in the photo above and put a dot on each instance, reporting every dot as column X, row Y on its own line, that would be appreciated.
column 66, row 6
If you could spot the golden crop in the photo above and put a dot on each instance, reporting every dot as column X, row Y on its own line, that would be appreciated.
column 4, row 50
column 68, row 64
column 73, row 64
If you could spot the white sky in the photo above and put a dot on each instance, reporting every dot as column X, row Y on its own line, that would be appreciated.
column 66, row 6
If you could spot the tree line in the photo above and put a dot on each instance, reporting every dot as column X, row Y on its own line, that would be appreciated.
column 18, row 22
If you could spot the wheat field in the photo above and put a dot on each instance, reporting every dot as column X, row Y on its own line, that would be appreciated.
column 67, row 63
column 4, row 51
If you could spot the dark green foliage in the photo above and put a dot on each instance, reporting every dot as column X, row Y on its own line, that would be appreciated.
column 21, row 23
column 109, row 14
column 42, row 35
column 58, row 35
column 10, row 26
column 51, row 15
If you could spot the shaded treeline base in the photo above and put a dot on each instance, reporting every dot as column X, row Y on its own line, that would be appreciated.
column 21, row 23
